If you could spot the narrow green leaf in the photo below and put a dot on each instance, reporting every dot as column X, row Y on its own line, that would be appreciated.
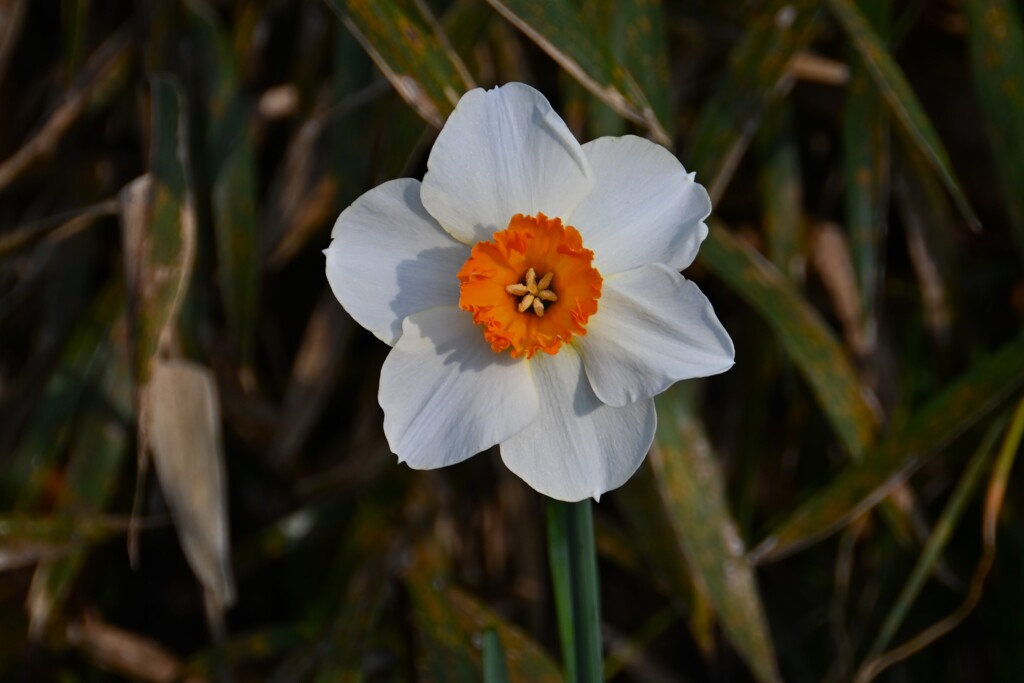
column 74, row 28
column 780, row 187
column 901, row 98
column 59, row 530
column 996, row 42
column 351, row 630
column 495, row 670
column 236, row 228
column 573, row 559
column 158, row 223
column 412, row 52
column 231, row 168
column 756, row 75
column 995, row 496
column 758, row 72
column 932, row 239
column 525, row 659
column 325, row 165
column 863, row 484
column 98, row 452
column 640, row 44
column 806, row 338
column 939, row 538
column 449, row 650
column 558, row 29
column 465, row 23
column 634, row 31
column 650, row 534
column 692, row 488
column 254, row 646
column 659, row 559
column 44, row 442
column 866, row 167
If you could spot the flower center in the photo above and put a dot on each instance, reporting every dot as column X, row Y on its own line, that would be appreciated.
column 534, row 293
column 518, row 310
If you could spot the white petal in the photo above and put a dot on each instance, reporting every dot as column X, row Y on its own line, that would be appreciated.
column 389, row 258
column 577, row 447
column 446, row 395
column 645, row 208
column 653, row 327
column 503, row 151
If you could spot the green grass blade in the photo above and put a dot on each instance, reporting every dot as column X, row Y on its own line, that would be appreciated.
column 780, row 187
column 37, row 453
column 692, row 488
column 448, row 649
column 454, row 625
column 351, row 631
column 525, row 659
column 231, row 170
column 495, row 670
column 901, row 98
column 757, row 74
column 863, row 484
column 158, row 223
column 98, row 453
column 804, row 336
column 573, row 558
column 995, row 496
column 866, row 169
column 996, row 46
column 407, row 45
column 559, row 29
column 939, row 538
column 657, row 557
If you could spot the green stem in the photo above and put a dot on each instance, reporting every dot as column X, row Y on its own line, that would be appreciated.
column 495, row 670
column 577, row 599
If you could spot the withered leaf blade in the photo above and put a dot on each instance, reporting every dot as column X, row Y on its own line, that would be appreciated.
column 159, row 228
column 691, row 485
column 183, row 415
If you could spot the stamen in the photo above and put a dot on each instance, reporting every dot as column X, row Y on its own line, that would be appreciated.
column 533, row 293
column 508, row 284
column 517, row 290
column 531, row 281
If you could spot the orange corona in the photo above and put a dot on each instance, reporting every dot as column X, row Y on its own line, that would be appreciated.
column 532, row 287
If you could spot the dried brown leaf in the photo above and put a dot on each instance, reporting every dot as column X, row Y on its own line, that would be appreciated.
column 312, row 378
column 830, row 256
column 125, row 652
column 12, row 15
column 108, row 63
column 183, row 415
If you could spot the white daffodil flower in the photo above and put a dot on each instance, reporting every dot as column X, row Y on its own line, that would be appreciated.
column 529, row 287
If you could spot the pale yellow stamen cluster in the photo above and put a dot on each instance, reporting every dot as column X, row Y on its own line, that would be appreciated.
column 534, row 293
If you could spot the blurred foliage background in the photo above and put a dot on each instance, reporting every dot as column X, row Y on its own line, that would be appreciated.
column 194, row 482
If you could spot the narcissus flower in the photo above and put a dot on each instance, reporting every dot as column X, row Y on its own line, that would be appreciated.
column 529, row 287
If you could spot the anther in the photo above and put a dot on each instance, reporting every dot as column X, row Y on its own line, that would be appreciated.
column 533, row 293
column 517, row 290
column 531, row 281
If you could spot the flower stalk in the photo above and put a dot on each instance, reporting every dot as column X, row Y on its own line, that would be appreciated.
column 573, row 558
